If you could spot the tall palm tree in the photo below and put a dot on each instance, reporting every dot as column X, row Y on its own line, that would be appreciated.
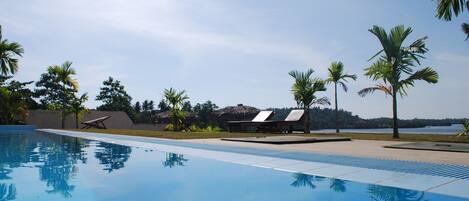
column 338, row 77
column 304, row 91
column 396, row 60
column 446, row 9
column 9, row 64
column 69, row 84
column 77, row 107
column 175, row 100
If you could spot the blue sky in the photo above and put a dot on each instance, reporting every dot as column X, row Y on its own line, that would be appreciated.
column 234, row 52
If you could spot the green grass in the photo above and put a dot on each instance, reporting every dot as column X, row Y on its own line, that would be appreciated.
column 205, row 135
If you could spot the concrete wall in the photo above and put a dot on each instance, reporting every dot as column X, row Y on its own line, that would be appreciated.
column 118, row 120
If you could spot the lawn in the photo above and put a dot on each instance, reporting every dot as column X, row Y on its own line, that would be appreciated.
column 203, row 135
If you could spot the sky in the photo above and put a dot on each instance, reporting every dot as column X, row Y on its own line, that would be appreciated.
column 237, row 51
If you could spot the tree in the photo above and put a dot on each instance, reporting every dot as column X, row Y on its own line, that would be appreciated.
column 57, row 88
column 186, row 106
column 77, row 107
column 203, row 112
column 8, row 51
column 13, row 108
column 138, row 107
column 304, row 91
column 446, row 9
column 176, row 99
column 396, row 60
column 302, row 180
column 465, row 130
column 163, row 106
column 115, row 98
column 337, row 76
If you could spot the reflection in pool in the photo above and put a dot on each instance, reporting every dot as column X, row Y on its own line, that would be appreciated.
column 51, row 167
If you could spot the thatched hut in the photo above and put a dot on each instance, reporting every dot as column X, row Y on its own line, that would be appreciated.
column 235, row 113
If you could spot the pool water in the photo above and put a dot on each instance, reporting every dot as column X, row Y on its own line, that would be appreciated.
column 41, row 166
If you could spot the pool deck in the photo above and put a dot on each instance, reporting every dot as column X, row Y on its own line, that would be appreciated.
column 359, row 161
column 362, row 148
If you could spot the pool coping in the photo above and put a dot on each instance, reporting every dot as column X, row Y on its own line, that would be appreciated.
column 300, row 162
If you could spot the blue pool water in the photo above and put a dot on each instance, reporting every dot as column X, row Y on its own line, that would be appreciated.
column 40, row 166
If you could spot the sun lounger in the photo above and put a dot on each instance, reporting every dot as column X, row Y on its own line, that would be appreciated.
column 295, row 117
column 261, row 117
column 95, row 123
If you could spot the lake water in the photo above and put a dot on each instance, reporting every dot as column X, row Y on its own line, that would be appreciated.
column 443, row 130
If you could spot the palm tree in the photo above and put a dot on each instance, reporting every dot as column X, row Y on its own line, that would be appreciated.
column 77, row 107
column 446, row 9
column 302, row 180
column 12, row 107
column 465, row 130
column 396, row 60
column 337, row 76
column 304, row 89
column 175, row 100
column 9, row 64
column 338, row 185
column 69, row 85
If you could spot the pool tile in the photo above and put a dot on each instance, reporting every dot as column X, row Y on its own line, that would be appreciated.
column 334, row 171
column 415, row 181
column 459, row 188
column 303, row 166
column 369, row 176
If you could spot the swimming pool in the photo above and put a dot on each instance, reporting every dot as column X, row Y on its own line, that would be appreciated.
column 42, row 166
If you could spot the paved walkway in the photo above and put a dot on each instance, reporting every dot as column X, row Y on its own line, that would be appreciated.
column 363, row 148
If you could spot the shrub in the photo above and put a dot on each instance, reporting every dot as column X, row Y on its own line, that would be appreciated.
column 169, row 127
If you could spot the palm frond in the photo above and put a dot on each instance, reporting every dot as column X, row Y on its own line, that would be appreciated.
column 379, row 87
column 465, row 28
column 427, row 74
column 446, row 9
column 322, row 101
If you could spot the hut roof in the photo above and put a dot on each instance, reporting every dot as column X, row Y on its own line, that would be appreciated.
column 239, row 109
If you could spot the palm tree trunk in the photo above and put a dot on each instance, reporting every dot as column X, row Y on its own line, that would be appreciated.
column 307, row 126
column 395, row 133
column 336, row 111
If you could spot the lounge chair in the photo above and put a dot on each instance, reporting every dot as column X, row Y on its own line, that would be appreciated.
column 295, row 117
column 95, row 123
column 261, row 117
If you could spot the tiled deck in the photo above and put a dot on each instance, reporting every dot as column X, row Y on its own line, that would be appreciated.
column 438, row 178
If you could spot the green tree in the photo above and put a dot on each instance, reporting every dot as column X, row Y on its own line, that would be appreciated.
column 8, row 51
column 77, row 107
column 186, row 106
column 176, row 99
column 137, row 107
column 465, row 130
column 163, row 106
column 447, row 8
column 304, row 91
column 203, row 112
column 338, row 77
column 115, row 98
column 13, row 108
column 394, row 62
column 57, row 88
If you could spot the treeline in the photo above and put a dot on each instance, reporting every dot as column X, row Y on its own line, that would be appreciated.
column 324, row 118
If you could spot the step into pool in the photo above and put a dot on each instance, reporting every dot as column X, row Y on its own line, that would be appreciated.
column 44, row 166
